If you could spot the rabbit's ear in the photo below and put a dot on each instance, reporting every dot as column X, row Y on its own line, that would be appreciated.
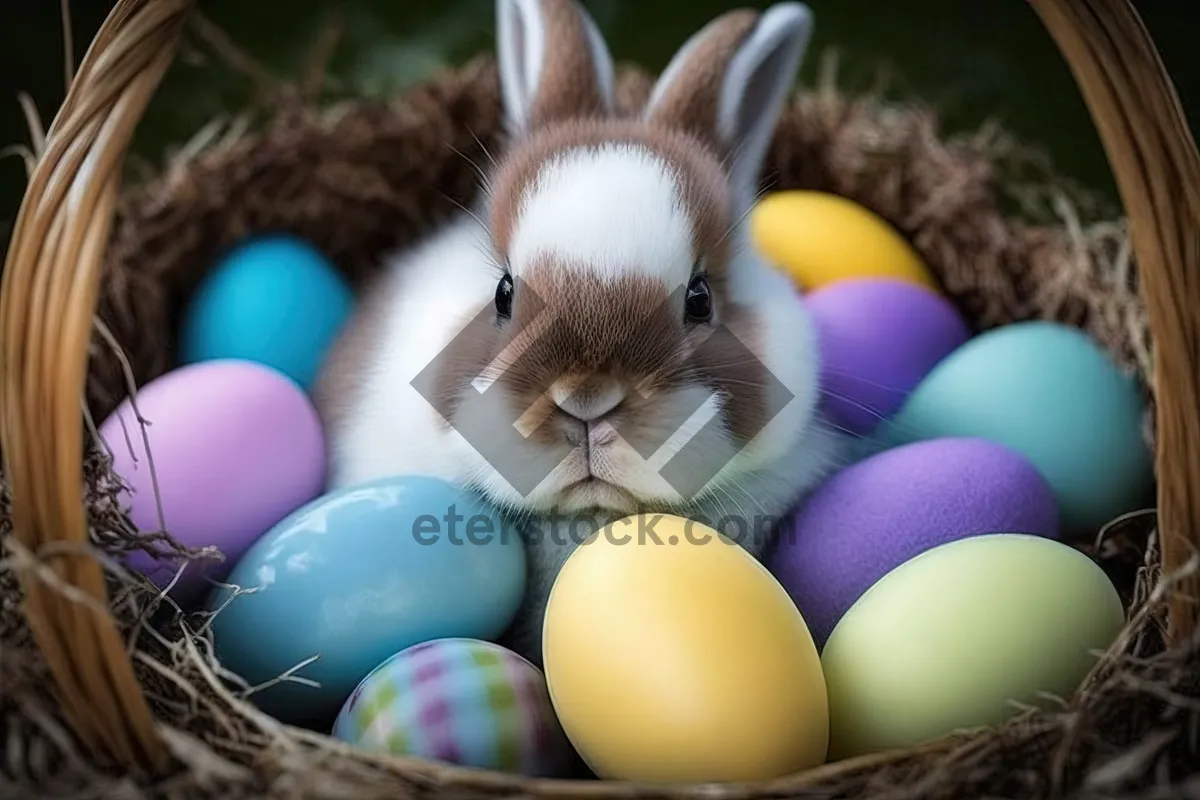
column 729, row 81
column 554, row 63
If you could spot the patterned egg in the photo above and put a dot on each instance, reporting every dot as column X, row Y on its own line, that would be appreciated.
column 461, row 701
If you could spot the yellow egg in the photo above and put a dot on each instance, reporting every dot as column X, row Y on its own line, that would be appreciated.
column 672, row 655
column 819, row 238
column 958, row 636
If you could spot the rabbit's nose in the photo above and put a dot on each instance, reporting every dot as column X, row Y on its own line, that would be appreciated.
column 588, row 399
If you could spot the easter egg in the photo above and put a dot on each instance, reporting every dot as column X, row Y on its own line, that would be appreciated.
column 275, row 300
column 882, row 511
column 959, row 635
column 672, row 655
column 461, row 701
column 878, row 338
column 234, row 447
column 357, row 575
column 1049, row 392
column 819, row 238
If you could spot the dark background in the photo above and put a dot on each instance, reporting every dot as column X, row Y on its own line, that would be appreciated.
column 973, row 60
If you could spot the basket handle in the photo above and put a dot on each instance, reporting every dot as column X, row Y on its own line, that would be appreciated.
column 48, row 296
column 1153, row 156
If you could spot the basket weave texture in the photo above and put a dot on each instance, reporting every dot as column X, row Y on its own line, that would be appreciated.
column 106, row 692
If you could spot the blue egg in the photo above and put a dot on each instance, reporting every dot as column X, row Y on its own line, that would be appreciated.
column 1053, row 395
column 358, row 575
column 275, row 300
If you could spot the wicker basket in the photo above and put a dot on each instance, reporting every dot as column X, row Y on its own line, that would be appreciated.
column 136, row 713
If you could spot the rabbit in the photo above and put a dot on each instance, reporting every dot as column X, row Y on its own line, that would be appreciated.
column 597, row 337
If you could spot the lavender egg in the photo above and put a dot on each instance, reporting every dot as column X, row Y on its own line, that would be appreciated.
column 883, row 511
column 878, row 339
column 236, row 447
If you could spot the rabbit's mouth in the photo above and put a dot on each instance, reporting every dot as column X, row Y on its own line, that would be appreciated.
column 591, row 492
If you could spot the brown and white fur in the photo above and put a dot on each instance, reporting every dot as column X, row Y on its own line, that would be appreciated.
column 600, row 221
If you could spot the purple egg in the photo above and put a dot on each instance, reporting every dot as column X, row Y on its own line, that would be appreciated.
column 873, row 516
column 878, row 339
column 236, row 447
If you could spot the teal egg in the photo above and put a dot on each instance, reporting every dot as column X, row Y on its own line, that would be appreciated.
column 1049, row 392
column 358, row 575
column 275, row 300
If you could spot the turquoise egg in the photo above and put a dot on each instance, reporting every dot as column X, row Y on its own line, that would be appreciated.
column 1049, row 392
column 460, row 701
column 358, row 575
column 276, row 300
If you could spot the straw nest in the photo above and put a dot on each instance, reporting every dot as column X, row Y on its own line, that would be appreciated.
column 360, row 178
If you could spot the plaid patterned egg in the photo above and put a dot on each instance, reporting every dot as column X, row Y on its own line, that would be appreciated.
column 461, row 701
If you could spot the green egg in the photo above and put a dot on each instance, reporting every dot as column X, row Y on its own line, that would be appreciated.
column 1049, row 392
column 963, row 636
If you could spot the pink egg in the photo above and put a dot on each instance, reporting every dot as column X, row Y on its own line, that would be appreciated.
column 878, row 339
column 236, row 447
column 877, row 514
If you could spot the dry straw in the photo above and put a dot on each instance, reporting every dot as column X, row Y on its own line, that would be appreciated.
column 98, row 701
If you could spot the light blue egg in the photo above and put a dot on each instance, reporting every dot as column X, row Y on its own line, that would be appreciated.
column 358, row 575
column 1049, row 392
column 276, row 300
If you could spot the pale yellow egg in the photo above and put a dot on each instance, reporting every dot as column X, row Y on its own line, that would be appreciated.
column 819, row 238
column 672, row 655
column 964, row 636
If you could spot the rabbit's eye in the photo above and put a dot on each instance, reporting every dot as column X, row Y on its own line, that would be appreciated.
column 698, row 303
column 504, row 296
